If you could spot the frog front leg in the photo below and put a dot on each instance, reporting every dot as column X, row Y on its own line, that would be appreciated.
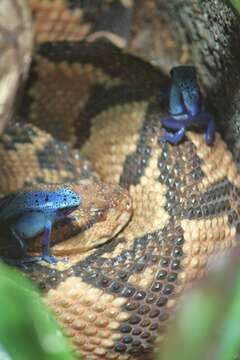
column 46, row 244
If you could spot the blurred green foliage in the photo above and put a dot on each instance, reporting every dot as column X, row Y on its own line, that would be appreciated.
column 27, row 329
column 236, row 4
column 208, row 323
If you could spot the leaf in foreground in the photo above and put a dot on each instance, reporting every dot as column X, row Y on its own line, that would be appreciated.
column 27, row 329
column 236, row 4
column 207, row 325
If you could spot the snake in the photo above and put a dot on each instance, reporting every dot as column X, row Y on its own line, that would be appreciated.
column 154, row 215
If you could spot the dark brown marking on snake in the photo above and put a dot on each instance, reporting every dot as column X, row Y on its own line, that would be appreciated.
column 116, row 20
column 15, row 136
column 49, row 155
column 174, row 165
column 214, row 202
column 108, row 58
column 183, row 202
column 137, row 162
column 53, row 150
column 148, row 311
column 52, row 278
column 234, row 212
column 75, row 4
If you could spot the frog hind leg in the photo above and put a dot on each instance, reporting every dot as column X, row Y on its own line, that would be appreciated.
column 16, row 256
column 15, row 247
column 21, row 260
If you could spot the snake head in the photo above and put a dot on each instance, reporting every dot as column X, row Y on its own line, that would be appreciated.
column 105, row 209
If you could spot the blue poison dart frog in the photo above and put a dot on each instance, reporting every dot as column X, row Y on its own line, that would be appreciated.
column 185, row 107
column 27, row 214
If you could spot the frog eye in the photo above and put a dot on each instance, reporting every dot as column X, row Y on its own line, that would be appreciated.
column 75, row 199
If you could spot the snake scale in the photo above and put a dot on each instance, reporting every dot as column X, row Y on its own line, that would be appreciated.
column 115, row 297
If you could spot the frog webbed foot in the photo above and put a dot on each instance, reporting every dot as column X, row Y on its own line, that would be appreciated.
column 176, row 137
column 51, row 259
column 24, row 262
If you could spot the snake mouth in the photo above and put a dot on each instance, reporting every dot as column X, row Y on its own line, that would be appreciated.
column 104, row 228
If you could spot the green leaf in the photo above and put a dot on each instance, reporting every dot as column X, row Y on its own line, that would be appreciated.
column 236, row 4
column 27, row 329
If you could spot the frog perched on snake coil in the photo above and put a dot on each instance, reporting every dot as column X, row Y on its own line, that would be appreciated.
column 115, row 297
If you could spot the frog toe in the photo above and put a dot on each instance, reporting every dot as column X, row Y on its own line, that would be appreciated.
column 49, row 259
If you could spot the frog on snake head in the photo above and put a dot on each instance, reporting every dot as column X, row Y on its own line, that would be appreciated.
column 185, row 107
column 24, row 215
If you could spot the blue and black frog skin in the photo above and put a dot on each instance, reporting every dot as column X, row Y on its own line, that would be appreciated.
column 26, row 214
column 185, row 107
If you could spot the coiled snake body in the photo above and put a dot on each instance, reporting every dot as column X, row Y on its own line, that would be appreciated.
column 114, row 298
